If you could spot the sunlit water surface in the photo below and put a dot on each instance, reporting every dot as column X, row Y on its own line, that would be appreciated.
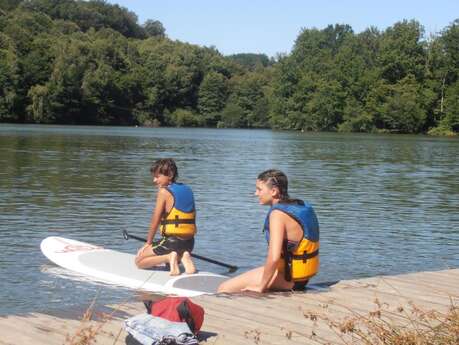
column 386, row 204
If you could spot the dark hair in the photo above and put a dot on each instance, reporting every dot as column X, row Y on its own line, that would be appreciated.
column 165, row 166
column 276, row 178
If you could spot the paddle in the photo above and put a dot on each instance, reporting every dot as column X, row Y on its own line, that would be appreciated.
column 231, row 268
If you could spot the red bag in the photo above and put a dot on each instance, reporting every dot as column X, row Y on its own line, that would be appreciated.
column 179, row 309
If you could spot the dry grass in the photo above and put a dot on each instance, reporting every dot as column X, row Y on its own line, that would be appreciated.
column 89, row 330
column 400, row 326
column 406, row 324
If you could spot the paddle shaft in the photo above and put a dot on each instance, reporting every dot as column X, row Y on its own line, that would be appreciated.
column 232, row 268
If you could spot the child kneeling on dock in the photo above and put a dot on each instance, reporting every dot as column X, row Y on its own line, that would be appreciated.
column 175, row 213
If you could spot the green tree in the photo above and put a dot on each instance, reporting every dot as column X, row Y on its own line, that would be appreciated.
column 451, row 119
column 450, row 41
column 98, row 91
column 402, row 52
column 356, row 118
column 154, row 28
column 260, row 114
column 75, row 61
column 63, row 90
column 232, row 115
column 36, row 65
column 8, row 79
column 398, row 108
column 251, row 61
column 324, row 110
column 285, row 78
column 149, row 73
column 444, row 67
column 314, row 49
column 248, row 91
column 213, row 92
column 184, row 118
column 40, row 110
column 93, row 14
column 8, row 5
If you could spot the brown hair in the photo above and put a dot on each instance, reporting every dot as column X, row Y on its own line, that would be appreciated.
column 276, row 178
column 165, row 166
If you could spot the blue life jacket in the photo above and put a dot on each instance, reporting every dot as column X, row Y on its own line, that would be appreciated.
column 303, row 213
column 302, row 261
column 181, row 220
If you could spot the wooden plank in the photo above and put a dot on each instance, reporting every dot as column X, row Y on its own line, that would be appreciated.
column 249, row 326
column 434, row 284
column 271, row 319
column 17, row 331
column 390, row 292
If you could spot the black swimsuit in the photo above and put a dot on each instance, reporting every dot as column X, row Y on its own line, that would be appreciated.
column 173, row 244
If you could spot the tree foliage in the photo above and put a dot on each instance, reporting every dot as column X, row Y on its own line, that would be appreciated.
column 251, row 61
column 91, row 62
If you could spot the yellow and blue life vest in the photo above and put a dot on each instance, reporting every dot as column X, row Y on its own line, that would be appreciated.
column 181, row 220
column 302, row 261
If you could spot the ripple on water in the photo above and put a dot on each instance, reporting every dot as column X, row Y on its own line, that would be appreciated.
column 386, row 204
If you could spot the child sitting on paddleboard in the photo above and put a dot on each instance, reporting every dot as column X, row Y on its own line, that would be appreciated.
column 175, row 215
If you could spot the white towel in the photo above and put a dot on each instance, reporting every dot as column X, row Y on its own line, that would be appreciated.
column 152, row 330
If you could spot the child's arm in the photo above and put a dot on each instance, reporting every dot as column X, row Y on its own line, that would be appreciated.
column 157, row 214
column 276, row 238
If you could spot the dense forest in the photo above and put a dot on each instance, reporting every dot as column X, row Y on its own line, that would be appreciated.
column 91, row 62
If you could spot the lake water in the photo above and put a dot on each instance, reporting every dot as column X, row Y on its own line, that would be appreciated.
column 386, row 204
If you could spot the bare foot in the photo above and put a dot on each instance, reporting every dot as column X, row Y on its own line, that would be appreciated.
column 173, row 263
column 188, row 263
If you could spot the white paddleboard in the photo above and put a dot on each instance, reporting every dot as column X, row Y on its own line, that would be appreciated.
column 118, row 268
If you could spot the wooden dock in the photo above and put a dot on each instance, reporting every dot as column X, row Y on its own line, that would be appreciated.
column 335, row 315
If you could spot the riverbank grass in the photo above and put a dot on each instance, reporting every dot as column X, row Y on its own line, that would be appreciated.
column 395, row 326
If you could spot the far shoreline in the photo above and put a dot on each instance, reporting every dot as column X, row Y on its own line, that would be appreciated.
column 446, row 134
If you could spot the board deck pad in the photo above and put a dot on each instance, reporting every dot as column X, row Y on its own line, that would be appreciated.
column 207, row 284
column 114, row 267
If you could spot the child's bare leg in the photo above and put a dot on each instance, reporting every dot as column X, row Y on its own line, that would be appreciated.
column 236, row 284
column 173, row 263
column 152, row 261
column 146, row 258
column 253, row 277
column 188, row 263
